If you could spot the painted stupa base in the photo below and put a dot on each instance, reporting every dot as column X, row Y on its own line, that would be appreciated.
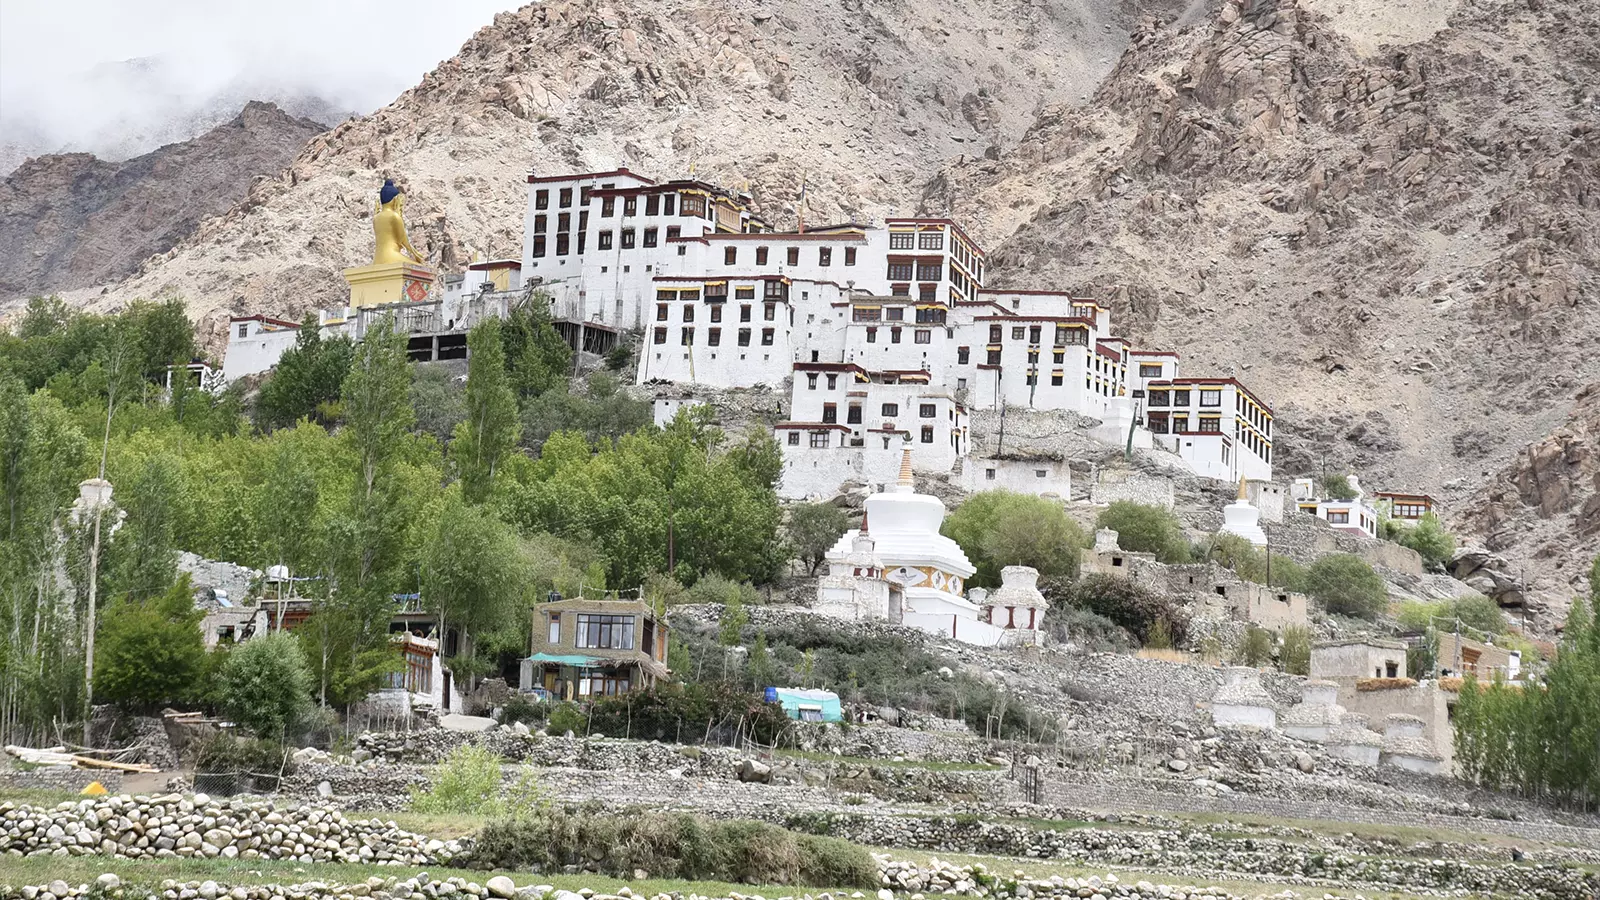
column 383, row 283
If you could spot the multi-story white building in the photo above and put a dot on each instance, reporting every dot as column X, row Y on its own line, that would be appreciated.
column 882, row 331
column 1354, row 516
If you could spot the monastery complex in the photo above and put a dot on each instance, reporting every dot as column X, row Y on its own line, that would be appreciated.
column 885, row 333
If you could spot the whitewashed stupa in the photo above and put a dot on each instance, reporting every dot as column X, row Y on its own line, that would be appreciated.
column 897, row 567
column 1242, row 519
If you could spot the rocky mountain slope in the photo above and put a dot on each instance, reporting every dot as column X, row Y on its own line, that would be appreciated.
column 864, row 100
column 74, row 221
column 1382, row 216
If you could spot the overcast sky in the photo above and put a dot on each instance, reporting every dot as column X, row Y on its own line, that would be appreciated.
column 358, row 54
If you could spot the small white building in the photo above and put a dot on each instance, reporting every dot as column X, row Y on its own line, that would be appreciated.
column 1354, row 516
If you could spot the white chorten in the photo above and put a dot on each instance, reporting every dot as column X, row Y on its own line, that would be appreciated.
column 908, row 573
column 1244, row 520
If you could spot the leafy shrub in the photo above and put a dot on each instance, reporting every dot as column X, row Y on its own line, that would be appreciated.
column 151, row 651
column 690, row 711
column 1254, row 648
column 465, row 782
column 568, row 717
column 224, row 752
column 1090, row 630
column 1343, row 583
column 1146, row 529
column 1131, row 606
column 521, row 708
column 1338, row 487
column 265, row 684
column 1253, row 564
column 672, row 845
column 1435, row 545
column 1004, row 528
column 1295, row 654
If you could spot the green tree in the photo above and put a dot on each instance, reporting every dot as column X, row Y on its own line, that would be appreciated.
column 537, row 357
column 813, row 530
column 265, row 684
column 307, row 380
column 1141, row 611
column 1003, row 528
column 1338, row 487
column 490, row 430
column 439, row 400
column 602, row 410
column 763, row 671
column 474, row 572
column 142, row 558
column 1475, row 611
column 1435, row 545
column 1344, row 583
column 151, row 651
column 1142, row 528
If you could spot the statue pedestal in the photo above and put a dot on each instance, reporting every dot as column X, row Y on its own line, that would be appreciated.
column 397, row 282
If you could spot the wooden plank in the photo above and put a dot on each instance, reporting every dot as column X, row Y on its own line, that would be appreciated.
column 92, row 763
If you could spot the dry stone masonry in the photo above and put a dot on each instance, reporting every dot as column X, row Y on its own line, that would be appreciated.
column 172, row 826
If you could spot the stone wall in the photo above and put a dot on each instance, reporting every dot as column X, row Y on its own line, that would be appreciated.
column 1112, row 485
column 1424, row 700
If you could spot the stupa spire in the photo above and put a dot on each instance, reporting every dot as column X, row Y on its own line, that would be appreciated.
column 906, row 484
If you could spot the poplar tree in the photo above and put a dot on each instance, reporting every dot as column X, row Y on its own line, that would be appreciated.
column 491, row 429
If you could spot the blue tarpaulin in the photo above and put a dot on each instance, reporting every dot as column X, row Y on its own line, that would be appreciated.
column 807, row 705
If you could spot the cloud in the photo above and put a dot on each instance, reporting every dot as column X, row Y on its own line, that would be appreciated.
column 90, row 74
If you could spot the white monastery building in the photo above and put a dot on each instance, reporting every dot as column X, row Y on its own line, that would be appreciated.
column 884, row 333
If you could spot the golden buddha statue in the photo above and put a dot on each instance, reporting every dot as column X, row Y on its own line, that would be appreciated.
column 389, row 229
column 397, row 273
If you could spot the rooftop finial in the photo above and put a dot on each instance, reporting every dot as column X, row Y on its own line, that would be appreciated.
column 1241, row 487
column 905, row 468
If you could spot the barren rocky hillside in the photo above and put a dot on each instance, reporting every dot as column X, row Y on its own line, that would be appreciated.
column 75, row 221
column 1381, row 215
column 866, row 100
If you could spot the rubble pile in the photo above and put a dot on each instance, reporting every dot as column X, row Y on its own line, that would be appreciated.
column 172, row 826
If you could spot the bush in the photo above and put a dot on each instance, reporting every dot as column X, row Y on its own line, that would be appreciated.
column 1003, row 528
column 1089, row 630
column 266, row 685
column 522, row 708
column 568, row 717
column 151, row 651
column 672, row 845
column 223, row 752
column 1338, row 487
column 1146, row 529
column 1345, row 584
column 1295, row 654
column 1435, row 545
column 1131, row 606
column 1251, row 564
column 1474, row 610
column 1254, row 648
column 669, row 712
column 466, row 782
